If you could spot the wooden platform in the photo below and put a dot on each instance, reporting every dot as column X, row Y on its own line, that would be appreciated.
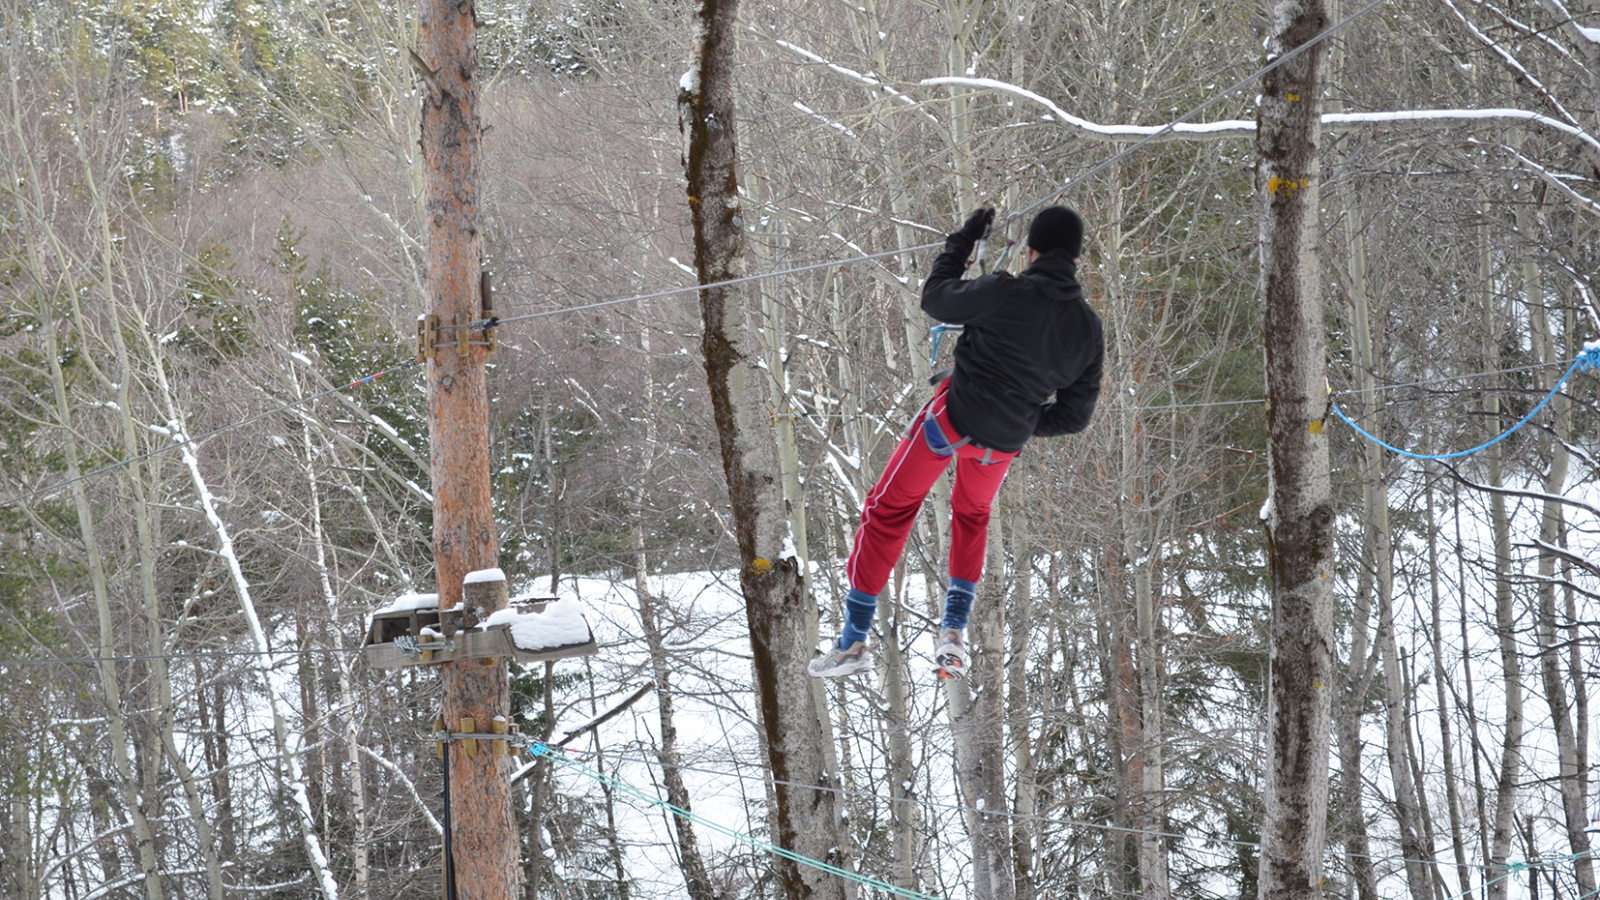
column 393, row 636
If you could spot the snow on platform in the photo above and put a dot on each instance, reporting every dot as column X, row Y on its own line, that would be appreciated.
column 562, row 623
column 483, row 575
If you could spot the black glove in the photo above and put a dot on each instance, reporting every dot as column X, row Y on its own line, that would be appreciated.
column 977, row 226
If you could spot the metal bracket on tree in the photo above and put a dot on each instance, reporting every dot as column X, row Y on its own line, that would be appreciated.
column 431, row 337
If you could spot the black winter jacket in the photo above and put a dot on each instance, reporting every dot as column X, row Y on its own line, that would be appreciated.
column 1026, row 337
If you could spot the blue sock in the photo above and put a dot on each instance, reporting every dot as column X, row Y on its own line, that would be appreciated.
column 859, row 608
column 958, row 602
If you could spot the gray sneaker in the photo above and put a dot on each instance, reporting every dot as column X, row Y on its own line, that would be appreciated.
column 838, row 663
column 950, row 652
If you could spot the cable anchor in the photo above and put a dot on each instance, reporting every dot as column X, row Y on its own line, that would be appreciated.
column 414, row 647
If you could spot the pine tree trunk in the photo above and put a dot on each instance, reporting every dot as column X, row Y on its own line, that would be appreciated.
column 484, row 838
column 777, row 603
column 1300, row 517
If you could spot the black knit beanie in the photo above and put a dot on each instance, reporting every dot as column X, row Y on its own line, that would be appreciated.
column 1056, row 228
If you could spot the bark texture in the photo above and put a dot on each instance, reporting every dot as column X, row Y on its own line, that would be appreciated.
column 777, row 605
column 1300, row 517
column 464, row 539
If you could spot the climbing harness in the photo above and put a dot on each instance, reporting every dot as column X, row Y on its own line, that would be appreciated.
column 1588, row 358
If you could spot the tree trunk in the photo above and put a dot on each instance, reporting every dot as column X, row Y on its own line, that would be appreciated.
column 777, row 604
column 1136, row 691
column 1408, row 816
column 1300, row 514
column 697, row 883
column 110, row 684
column 905, row 808
column 1356, row 682
column 291, row 774
column 19, row 878
column 1447, row 752
column 484, row 841
column 1552, row 537
column 977, row 724
column 1505, row 627
column 1378, row 561
column 160, row 671
column 1020, row 713
column 348, row 704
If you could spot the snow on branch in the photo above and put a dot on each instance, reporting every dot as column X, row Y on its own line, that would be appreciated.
column 838, row 126
column 1549, row 177
column 1227, row 128
column 1529, row 495
column 1578, row 32
column 1180, row 131
column 867, row 78
column 407, row 783
column 1343, row 121
column 570, row 734
column 1494, row 46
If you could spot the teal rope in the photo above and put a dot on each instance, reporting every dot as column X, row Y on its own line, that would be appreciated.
column 938, row 332
column 545, row 751
column 1590, row 357
column 536, row 749
column 1513, row 868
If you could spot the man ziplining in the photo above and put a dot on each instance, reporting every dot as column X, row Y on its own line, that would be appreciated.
column 1026, row 337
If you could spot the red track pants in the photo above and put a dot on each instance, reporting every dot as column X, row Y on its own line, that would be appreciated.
column 892, row 505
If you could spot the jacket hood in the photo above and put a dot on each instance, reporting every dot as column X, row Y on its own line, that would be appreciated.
column 1055, row 265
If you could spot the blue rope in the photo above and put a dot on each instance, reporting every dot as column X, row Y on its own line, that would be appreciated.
column 938, row 333
column 1587, row 359
column 543, row 750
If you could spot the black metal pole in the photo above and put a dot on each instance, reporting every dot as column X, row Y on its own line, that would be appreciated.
column 449, row 861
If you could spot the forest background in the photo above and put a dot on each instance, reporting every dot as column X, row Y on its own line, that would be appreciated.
column 209, row 210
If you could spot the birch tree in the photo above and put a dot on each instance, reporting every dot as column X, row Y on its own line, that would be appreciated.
column 804, row 819
column 1300, row 513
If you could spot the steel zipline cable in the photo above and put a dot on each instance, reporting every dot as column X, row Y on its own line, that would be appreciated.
column 412, row 363
column 1097, row 168
column 813, row 267
column 1172, row 126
